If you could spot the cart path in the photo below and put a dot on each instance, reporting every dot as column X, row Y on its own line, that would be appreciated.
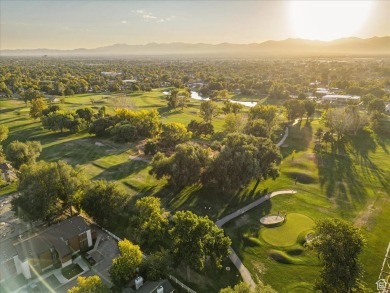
column 245, row 274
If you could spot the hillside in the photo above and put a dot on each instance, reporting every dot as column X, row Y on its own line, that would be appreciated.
column 346, row 46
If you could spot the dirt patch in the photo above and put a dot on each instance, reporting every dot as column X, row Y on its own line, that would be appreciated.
column 311, row 156
column 259, row 269
column 139, row 158
column 366, row 218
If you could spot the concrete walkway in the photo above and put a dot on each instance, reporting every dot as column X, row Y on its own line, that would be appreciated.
column 250, row 206
column 283, row 138
column 245, row 274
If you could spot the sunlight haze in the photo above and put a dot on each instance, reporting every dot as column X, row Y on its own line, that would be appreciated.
column 91, row 24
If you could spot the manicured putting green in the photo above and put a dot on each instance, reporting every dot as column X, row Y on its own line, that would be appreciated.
column 287, row 234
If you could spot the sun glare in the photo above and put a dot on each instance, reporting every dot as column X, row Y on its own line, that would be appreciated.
column 328, row 20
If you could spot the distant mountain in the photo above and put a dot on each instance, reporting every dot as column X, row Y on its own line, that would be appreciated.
column 346, row 46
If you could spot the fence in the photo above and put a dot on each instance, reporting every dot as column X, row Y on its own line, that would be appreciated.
column 181, row 284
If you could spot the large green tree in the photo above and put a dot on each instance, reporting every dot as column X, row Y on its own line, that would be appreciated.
column 19, row 153
column 200, row 128
column 294, row 109
column 233, row 123
column 174, row 133
column 151, row 220
column 344, row 121
column 46, row 189
column 242, row 159
column 37, row 106
column 208, row 110
column 268, row 113
column 102, row 200
column 125, row 265
column 338, row 244
column 195, row 238
column 184, row 167
column 92, row 284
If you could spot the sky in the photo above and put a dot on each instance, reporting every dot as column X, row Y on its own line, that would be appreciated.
column 90, row 24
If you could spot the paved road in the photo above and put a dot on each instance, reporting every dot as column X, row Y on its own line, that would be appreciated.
column 245, row 274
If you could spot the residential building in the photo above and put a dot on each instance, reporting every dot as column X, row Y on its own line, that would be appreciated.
column 37, row 253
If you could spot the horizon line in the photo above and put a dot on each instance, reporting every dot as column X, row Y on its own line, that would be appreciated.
column 198, row 43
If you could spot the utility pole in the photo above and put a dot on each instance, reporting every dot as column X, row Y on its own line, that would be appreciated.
column 383, row 284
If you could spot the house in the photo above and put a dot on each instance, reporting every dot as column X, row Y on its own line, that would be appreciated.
column 340, row 98
column 7, row 173
column 51, row 247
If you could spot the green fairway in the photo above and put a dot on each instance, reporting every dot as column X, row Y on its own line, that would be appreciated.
column 288, row 233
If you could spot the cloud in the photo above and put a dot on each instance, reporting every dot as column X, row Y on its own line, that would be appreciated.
column 149, row 16
column 124, row 21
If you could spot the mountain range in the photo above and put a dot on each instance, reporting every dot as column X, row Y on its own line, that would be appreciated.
column 295, row 47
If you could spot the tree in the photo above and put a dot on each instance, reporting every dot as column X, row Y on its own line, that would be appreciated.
column 258, row 128
column 184, row 167
column 150, row 147
column 19, row 153
column 338, row 244
column 89, row 285
column 268, row 113
column 195, row 238
column 151, row 219
column 37, row 106
column 173, row 100
column 242, row 159
column 46, row 189
column 102, row 200
column 99, row 126
column 230, row 107
column 200, row 128
column 233, row 123
column 377, row 105
column 156, row 265
column 208, row 110
column 245, row 288
column 310, row 108
column 223, row 94
column 344, row 121
column 319, row 134
column 125, row 265
column 31, row 94
column 327, row 138
column 59, row 120
column 174, row 133
column 86, row 114
column 3, row 132
column 124, row 132
column 294, row 109
column 277, row 91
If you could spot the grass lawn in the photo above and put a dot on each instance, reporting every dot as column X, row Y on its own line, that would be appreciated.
column 353, row 187
column 287, row 234
column 72, row 270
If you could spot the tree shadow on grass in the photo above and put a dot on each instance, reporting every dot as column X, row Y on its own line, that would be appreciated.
column 341, row 181
column 298, row 139
column 362, row 144
column 77, row 151
column 122, row 170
